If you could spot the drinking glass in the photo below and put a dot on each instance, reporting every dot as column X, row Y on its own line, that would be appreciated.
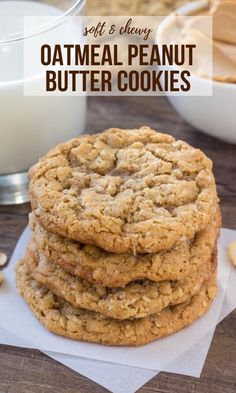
column 30, row 126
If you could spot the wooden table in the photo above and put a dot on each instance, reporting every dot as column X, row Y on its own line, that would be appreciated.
column 29, row 371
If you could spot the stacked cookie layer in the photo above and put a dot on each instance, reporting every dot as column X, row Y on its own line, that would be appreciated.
column 124, row 231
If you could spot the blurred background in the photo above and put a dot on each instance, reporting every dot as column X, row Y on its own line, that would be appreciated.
column 133, row 7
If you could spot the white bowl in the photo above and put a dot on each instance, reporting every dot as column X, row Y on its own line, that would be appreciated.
column 215, row 115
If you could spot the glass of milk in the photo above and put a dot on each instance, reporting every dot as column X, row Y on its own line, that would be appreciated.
column 30, row 126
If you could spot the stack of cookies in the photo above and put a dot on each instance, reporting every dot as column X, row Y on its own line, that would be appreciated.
column 124, row 232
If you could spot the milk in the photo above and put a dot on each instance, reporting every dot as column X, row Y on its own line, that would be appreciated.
column 30, row 126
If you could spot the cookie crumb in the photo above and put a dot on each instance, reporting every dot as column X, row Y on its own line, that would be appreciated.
column 3, row 259
column 232, row 252
column 1, row 278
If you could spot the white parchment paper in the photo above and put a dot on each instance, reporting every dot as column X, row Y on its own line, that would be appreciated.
column 116, row 377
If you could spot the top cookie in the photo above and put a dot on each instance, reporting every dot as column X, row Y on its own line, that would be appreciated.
column 124, row 190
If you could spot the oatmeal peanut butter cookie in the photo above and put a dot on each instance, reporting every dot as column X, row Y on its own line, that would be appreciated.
column 115, row 270
column 61, row 318
column 124, row 190
column 137, row 300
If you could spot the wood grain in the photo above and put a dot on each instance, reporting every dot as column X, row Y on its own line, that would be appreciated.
column 29, row 371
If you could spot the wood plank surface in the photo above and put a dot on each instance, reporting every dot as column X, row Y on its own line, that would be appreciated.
column 29, row 371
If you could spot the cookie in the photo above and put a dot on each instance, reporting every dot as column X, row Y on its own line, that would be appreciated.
column 115, row 270
column 61, row 318
column 133, row 191
column 137, row 300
